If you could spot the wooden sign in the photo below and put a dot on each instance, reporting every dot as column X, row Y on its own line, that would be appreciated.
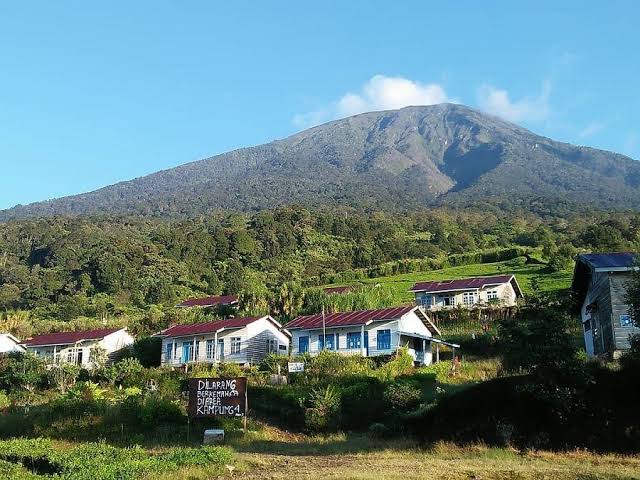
column 215, row 397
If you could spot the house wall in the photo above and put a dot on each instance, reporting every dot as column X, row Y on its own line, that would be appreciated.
column 409, row 323
column 8, row 345
column 506, row 294
column 115, row 342
column 253, row 343
column 66, row 353
column 601, row 328
column 619, row 307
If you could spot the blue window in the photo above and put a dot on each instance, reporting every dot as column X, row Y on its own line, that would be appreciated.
column 330, row 342
column 168, row 352
column 353, row 340
column 384, row 339
column 303, row 344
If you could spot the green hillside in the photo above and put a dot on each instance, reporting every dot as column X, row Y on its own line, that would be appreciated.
column 532, row 278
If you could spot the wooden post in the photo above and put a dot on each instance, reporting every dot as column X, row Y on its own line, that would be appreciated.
column 188, row 428
column 437, row 353
column 246, row 409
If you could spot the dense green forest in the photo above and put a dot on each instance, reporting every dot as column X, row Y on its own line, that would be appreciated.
column 74, row 272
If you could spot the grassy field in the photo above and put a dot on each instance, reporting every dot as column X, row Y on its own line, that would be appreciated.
column 278, row 455
column 531, row 277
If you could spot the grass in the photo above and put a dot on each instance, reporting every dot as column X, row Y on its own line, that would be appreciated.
column 272, row 454
column 531, row 277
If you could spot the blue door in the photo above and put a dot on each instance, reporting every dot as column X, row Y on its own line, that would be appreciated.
column 187, row 349
column 303, row 344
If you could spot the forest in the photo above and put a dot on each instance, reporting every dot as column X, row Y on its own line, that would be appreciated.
column 70, row 273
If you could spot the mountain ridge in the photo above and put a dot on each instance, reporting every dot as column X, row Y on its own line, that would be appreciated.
column 414, row 156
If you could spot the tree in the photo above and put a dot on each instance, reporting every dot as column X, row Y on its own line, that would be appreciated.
column 538, row 341
column 63, row 375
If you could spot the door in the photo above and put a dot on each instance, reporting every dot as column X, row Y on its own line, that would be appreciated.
column 303, row 344
column 220, row 350
column 366, row 343
column 187, row 349
column 79, row 357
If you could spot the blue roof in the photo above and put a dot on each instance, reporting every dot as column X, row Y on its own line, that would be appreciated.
column 610, row 260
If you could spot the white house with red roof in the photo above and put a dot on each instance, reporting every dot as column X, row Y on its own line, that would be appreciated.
column 245, row 340
column 501, row 290
column 210, row 302
column 78, row 347
column 368, row 333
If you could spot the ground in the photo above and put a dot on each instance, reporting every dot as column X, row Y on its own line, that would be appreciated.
column 358, row 457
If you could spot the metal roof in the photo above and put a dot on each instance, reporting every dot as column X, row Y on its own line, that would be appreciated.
column 338, row 290
column 210, row 301
column 340, row 319
column 610, row 261
column 209, row 327
column 436, row 286
column 68, row 338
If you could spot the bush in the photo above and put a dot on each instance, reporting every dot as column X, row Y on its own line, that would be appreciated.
column 324, row 413
column 403, row 395
column 362, row 402
column 4, row 401
column 379, row 431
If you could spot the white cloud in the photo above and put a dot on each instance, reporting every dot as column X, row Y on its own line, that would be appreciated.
column 530, row 108
column 379, row 93
column 591, row 129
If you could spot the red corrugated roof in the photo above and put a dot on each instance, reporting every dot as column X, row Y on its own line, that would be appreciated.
column 460, row 284
column 207, row 327
column 67, row 338
column 338, row 290
column 340, row 319
column 210, row 301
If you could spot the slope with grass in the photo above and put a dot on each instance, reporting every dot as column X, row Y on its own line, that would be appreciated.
column 532, row 277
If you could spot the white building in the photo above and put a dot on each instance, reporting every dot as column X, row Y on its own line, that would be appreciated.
column 78, row 347
column 368, row 333
column 10, row 344
column 239, row 340
column 500, row 291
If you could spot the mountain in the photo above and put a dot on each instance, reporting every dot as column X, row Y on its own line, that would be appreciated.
column 392, row 159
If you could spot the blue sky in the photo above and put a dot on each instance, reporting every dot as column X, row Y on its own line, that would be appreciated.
column 95, row 93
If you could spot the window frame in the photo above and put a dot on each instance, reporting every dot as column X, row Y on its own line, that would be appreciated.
column 354, row 345
column 383, row 335
column 236, row 345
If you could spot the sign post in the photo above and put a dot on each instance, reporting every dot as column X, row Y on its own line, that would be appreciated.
column 218, row 397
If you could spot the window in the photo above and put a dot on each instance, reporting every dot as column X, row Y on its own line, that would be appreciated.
column 235, row 345
column 469, row 298
column 426, row 300
column 353, row 340
column 625, row 321
column 449, row 301
column 282, row 348
column 492, row 295
column 303, row 344
column 272, row 345
column 330, row 342
column 384, row 340
column 168, row 354
column 211, row 349
column 70, row 355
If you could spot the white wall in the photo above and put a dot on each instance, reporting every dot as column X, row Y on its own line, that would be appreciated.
column 506, row 295
column 253, row 343
column 7, row 344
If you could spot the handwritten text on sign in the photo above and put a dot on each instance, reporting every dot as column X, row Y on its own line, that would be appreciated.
column 212, row 397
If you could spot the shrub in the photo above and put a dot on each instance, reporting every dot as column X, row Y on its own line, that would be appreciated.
column 402, row 364
column 403, row 395
column 4, row 401
column 324, row 413
column 379, row 430
column 362, row 402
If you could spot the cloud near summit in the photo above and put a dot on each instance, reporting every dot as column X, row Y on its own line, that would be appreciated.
column 378, row 93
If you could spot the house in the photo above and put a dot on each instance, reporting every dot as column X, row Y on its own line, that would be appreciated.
column 339, row 290
column 599, row 282
column 10, row 344
column 237, row 340
column 78, row 347
column 502, row 290
column 369, row 333
column 210, row 302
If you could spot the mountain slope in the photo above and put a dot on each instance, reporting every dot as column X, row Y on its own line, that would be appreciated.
column 391, row 159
